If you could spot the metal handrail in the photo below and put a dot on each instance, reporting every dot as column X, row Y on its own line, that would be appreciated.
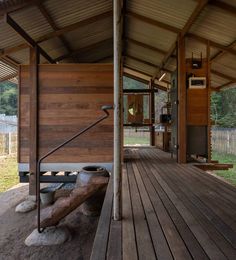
column 105, row 110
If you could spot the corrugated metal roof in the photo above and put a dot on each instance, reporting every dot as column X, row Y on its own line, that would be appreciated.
column 216, row 25
column 144, row 54
column 90, row 33
column 174, row 13
column 32, row 21
column 94, row 40
column 70, row 11
column 6, row 71
column 149, row 34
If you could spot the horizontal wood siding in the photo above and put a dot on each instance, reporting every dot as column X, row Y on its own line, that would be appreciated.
column 71, row 96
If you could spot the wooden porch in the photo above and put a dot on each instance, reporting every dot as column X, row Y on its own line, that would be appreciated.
column 170, row 211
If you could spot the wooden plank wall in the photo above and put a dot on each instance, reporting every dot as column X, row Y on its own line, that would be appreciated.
column 70, row 99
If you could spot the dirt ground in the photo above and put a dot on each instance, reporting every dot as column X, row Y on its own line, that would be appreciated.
column 15, row 227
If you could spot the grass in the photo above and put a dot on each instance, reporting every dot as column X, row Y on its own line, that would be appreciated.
column 229, row 175
column 133, row 140
column 8, row 173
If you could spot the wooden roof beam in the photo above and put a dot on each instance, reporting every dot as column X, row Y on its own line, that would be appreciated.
column 153, row 22
column 144, row 81
column 57, row 33
column 11, row 62
column 200, row 6
column 84, row 49
column 147, row 63
column 26, row 37
column 222, row 75
column 9, row 77
column 6, row 9
column 145, row 46
column 212, row 43
column 49, row 19
column 144, row 73
column 177, row 30
column 222, row 52
column 224, row 6
column 222, row 86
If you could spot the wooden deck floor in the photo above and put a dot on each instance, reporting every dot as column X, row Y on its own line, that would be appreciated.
column 170, row 211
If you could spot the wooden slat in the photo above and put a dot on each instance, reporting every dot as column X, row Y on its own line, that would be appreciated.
column 159, row 241
column 207, row 223
column 99, row 249
column 128, row 230
column 171, row 211
column 210, row 210
column 71, row 97
column 208, row 245
column 145, row 250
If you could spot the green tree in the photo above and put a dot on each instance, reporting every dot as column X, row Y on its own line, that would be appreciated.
column 8, row 98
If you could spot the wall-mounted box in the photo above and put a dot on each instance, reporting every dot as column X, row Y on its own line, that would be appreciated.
column 197, row 82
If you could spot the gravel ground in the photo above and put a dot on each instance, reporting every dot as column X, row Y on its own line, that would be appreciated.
column 15, row 227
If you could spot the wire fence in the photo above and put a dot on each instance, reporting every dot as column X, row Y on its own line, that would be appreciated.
column 8, row 135
column 224, row 140
column 8, row 144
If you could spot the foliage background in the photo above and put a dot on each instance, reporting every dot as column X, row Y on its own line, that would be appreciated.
column 8, row 98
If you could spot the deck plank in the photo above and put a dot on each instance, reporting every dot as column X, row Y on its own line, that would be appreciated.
column 189, row 239
column 159, row 241
column 145, row 249
column 185, row 196
column 99, row 250
column 169, row 211
column 128, row 231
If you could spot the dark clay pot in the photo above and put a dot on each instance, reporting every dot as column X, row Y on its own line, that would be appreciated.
column 93, row 205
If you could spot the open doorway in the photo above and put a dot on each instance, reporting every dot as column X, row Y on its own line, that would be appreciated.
column 136, row 117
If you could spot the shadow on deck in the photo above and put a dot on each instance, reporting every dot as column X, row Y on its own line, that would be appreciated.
column 170, row 211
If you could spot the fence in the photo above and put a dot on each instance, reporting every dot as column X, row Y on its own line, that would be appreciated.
column 224, row 140
column 8, row 144
column 8, row 135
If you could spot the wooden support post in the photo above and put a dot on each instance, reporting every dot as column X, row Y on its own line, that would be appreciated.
column 152, row 110
column 209, row 101
column 181, row 101
column 33, row 154
column 117, row 24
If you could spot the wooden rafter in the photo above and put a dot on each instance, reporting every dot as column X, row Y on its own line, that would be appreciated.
column 85, row 49
column 147, row 63
column 57, row 33
column 145, row 46
column 222, row 86
column 26, row 37
column 149, row 76
column 177, row 30
column 49, row 19
column 222, row 52
column 200, row 6
column 11, row 62
column 153, row 22
column 224, row 6
column 5, row 9
column 11, row 76
column 212, row 43
column 222, row 75
column 144, row 80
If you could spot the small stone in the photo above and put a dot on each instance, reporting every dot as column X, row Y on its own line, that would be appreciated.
column 26, row 206
column 50, row 236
